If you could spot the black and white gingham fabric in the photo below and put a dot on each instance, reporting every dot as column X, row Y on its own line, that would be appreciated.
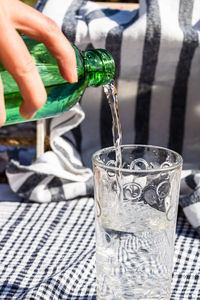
column 190, row 197
column 157, row 55
column 186, row 273
column 47, row 251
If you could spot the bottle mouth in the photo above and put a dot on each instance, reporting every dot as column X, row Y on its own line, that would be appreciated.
column 100, row 67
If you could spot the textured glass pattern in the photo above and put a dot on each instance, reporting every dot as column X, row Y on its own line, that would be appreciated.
column 135, row 209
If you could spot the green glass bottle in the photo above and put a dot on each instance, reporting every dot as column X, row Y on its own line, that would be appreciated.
column 94, row 68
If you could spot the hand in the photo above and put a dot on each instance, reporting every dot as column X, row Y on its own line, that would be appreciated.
column 17, row 60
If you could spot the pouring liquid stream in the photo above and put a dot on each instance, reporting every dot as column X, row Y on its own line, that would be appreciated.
column 112, row 96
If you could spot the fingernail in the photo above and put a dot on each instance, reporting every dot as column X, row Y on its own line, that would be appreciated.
column 29, row 115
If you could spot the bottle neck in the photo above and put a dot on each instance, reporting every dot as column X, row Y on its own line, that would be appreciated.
column 99, row 67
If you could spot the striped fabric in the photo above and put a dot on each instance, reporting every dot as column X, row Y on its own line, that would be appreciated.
column 47, row 251
column 57, row 173
column 156, row 50
column 157, row 55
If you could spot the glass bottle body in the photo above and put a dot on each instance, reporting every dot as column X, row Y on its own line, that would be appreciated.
column 94, row 68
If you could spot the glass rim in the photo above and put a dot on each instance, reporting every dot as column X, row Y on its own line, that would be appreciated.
column 177, row 164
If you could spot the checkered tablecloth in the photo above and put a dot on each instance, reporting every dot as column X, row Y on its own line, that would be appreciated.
column 47, row 251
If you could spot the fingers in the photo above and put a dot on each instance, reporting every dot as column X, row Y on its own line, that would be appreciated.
column 2, row 105
column 18, row 61
column 34, row 24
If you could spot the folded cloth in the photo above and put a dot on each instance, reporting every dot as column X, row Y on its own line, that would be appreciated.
column 157, row 52
column 57, row 174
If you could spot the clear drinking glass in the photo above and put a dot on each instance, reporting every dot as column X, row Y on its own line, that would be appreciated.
column 136, row 212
